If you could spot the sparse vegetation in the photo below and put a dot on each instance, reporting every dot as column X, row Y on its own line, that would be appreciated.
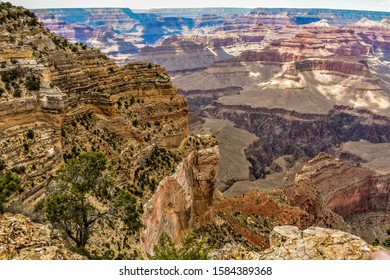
column 10, row 75
column 68, row 206
column 32, row 83
column 9, row 183
column 84, row 195
column 386, row 242
column 190, row 249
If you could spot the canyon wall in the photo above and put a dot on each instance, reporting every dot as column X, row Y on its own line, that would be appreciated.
column 184, row 200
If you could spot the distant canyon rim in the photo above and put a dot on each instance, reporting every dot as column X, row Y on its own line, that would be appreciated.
column 256, row 118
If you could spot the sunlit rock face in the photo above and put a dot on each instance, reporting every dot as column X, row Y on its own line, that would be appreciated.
column 184, row 200
column 314, row 243
column 342, row 196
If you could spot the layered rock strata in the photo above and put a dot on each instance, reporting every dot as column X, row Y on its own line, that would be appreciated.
column 81, row 95
column 60, row 100
column 345, row 197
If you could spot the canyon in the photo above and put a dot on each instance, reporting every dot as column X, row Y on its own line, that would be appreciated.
column 82, row 101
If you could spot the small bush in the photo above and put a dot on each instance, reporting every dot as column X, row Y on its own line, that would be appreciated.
column 30, row 134
column 9, row 184
column 17, row 93
column 33, row 83
column 190, row 249
column 26, row 147
column 10, row 75
column 2, row 164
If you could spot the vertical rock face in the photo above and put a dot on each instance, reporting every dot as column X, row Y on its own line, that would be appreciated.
column 183, row 200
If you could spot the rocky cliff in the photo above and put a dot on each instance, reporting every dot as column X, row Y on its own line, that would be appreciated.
column 80, row 94
column 59, row 100
column 183, row 200
column 358, row 196
column 325, row 192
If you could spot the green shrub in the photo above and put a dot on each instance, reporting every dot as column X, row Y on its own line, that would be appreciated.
column 2, row 164
column 386, row 242
column 10, row 75
column 17, row 93
column 33, row 83
column 68, row 206
column 190, row 249
column 30, row 134
column 9, row 184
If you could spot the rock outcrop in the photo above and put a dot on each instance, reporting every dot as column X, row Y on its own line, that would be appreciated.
column 325, row 192
column 337, row 195
column 60, row 100
column 22, row 239
column 372, row 24
column 79, row 94
column 314, row 243
column 183, row 200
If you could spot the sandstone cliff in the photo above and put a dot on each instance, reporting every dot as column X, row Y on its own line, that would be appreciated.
column 82, row 101
column 183, row 200
column 59, row 100
column 338, row 195
column 325, row 192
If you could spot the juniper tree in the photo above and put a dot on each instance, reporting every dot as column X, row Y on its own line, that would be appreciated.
column 81, row 181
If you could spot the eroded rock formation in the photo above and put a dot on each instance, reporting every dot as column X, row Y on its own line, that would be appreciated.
column 183, row 200
column 22, row 239
column 60, row 100
column 81, row 95
column 314, row 243
column 344, row 197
